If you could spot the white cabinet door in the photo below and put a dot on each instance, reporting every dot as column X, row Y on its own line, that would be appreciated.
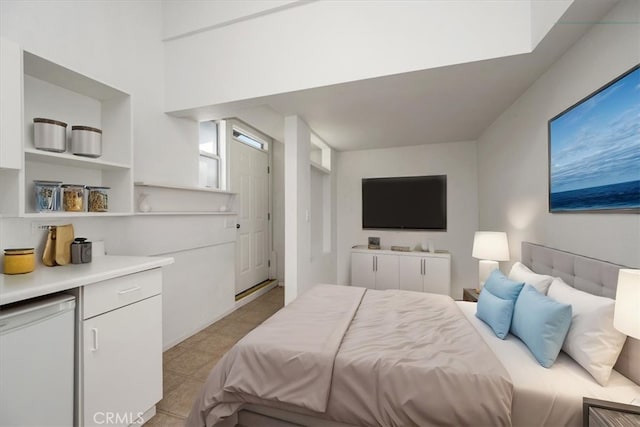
column 122, row 352
column 411, row 273
column 10, row 105
column 362, row 270
column 386, row 271
column 437, row 277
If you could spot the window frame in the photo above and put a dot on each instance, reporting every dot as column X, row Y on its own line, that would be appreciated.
column 263, row 145
column 212, row 156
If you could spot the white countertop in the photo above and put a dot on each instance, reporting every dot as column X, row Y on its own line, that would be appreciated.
column 47, row 280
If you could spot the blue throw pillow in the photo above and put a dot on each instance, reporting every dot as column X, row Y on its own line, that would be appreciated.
column 495, row 312
column 502, row 287
column 541, row 323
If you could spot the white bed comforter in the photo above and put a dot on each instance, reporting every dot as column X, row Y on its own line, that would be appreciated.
column 553, row 396
column 388, row 358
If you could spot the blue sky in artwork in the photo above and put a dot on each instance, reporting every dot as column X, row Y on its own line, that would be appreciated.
column 598, row 142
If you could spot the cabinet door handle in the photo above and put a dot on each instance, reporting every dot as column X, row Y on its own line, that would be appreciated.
column 94, row 331
column 373, row 263
column 126, row 291
column 376, row 263
column 424, row 267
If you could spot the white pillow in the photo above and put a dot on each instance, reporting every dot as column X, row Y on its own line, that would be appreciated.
column 521, row 273
column 592, row 341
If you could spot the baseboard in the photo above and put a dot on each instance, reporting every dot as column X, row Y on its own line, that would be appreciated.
column 255, row 295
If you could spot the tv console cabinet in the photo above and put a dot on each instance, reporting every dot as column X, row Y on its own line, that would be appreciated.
column 410, row 271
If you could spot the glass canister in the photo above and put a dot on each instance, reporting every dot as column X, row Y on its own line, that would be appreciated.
column 98, row 199
column 73, row 197
column 47, row 195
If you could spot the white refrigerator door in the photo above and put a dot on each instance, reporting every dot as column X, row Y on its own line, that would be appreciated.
column 36, row 363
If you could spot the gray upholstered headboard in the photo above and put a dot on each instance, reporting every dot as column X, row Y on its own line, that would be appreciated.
column 590, row 275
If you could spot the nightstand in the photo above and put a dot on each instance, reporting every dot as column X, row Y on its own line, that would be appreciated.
column 600, row 413
column 470, row 294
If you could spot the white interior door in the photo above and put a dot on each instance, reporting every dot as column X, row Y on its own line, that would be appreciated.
column 249, row 178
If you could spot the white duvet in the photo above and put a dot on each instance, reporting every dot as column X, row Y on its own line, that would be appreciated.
column 553, row 396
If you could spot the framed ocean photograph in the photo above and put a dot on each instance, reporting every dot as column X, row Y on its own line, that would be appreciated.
column 594, row 150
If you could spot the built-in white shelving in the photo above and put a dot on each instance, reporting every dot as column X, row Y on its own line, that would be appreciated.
column 63, row 214
column 50, row 90
column 181, row 187
column 169, row 199
column 320, row 167
column 68, row 159
column 186, row 213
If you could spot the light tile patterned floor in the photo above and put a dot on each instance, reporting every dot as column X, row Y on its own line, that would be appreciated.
column 187, row 365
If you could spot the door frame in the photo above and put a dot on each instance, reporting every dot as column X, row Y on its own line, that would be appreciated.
column 226, row 127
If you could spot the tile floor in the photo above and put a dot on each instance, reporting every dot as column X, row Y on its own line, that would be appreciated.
column 187, row 365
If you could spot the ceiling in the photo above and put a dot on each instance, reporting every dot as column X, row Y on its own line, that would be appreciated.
column 453, row 103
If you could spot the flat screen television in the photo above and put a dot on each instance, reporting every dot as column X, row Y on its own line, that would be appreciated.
column 405, row 203
column 594, row 151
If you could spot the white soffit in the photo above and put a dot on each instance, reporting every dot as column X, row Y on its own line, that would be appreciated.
column 544, row 15
column 181, row 18
column 445, row 104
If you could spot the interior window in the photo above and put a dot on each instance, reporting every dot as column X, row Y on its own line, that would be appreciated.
column 209, row 160
column 247, row 139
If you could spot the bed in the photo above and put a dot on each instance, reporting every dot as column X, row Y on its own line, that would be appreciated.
column 341, row 356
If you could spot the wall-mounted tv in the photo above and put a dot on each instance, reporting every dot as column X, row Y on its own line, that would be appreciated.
column 405, row 203
column 594, row 150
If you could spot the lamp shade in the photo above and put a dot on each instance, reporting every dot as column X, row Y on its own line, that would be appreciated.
column 626, row 317
column 491, row 245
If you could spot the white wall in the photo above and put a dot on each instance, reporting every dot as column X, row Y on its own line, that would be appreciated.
column 297, row 204
column 307, row 262
column 455, row 159
column 512, row 153
column 119, row 43
column 182, row 17
column 277, row 211
column 324, row 225
column 324, row 42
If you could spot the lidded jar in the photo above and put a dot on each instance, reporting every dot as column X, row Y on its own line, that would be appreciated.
column 98, row 199
column 47, row 195
column 19, row 261
column 49, row 135
column 73, row 197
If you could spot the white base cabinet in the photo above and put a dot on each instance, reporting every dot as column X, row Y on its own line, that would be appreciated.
column 410, row 271
column 121, row 349
column 374, row 271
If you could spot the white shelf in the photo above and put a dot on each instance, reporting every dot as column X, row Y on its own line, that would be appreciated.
column 320, row 167
column 51, row 90
column 186, row 213
column 44, row 69
column 73, row 214
column 183, row 188
column 67, row 159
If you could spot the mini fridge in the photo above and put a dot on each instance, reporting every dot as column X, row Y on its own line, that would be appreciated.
column 36, row 362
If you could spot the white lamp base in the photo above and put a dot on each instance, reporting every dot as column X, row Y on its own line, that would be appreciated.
column 485, row 268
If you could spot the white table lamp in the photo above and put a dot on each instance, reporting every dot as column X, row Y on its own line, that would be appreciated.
column 489, row 247
column 626, row 317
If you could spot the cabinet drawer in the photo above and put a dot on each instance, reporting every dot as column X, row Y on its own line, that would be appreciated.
column 111, row 294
